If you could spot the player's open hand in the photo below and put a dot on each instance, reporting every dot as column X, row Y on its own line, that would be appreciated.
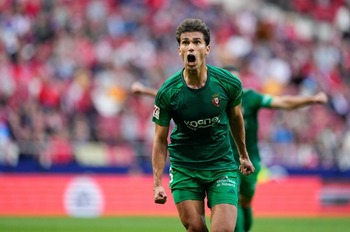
column 246, row 166
column 160, row 196
column 321, row 98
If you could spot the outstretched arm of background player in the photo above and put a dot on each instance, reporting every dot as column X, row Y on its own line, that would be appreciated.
column 289, row 102
column 159, row 155
column 238, row 134
column 138, row 88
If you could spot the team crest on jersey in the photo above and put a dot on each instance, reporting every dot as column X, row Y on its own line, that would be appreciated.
column 156, row 112
column 216, row 100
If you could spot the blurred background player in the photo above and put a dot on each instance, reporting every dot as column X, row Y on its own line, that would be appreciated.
column 252, row 102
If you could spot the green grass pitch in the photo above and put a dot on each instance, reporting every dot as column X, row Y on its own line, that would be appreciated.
column 162, row 224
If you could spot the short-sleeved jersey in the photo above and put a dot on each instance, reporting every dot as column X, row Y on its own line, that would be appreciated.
column 201, row 137
column 252, row 102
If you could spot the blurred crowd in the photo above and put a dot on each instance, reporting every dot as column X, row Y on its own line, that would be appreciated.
column 66, row 67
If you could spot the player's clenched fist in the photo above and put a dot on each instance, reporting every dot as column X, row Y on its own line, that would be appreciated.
column 160, row 196
column 321, row 98
column 246, row 166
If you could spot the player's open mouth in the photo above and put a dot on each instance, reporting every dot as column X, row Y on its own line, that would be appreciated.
column 191, row 58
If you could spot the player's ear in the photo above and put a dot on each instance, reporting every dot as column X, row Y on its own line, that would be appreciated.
column 207, row 50
column 178, row 49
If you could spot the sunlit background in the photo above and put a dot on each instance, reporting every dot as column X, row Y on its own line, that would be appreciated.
column 66, row 67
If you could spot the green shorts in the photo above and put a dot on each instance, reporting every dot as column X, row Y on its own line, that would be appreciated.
column 220, row 186
column 247, row 184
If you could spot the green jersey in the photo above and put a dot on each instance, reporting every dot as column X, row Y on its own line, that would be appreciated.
column 201, row 138
column 252, row 102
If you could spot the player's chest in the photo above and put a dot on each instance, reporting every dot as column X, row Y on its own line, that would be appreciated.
column 207, row 103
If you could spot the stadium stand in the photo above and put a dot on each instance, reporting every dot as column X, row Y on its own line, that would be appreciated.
column 66, row 68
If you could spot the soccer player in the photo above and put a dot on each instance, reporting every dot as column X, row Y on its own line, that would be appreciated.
column 204, row 103
column 252, row 102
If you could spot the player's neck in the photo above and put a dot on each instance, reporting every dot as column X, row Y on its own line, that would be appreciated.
column 195, row 79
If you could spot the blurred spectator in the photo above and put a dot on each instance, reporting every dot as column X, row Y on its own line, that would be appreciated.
column 9, row 151
column 66, row 67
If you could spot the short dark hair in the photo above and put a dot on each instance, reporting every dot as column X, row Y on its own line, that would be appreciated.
column 193, row 25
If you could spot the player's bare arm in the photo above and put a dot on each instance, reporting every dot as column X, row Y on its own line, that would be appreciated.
column 238, row 133
column 159, row 155
column 289, row 102
column 138, row 88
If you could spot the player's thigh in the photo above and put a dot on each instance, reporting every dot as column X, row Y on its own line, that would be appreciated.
column 185, row 186
column 192, row 214
column 188, row 193
column 223, row 188
column 247, row 185
column 223, row 218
